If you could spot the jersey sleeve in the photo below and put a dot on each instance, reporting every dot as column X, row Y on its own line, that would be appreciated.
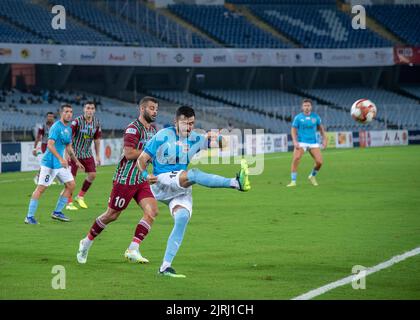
column 74, row 127
column 202, row 142
column 54, row 133
column 154, row 143
column 295, row 123
column 318, row 120
column 41, row 132
column 131, row 137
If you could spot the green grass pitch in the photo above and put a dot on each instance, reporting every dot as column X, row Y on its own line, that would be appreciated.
column 270, row 243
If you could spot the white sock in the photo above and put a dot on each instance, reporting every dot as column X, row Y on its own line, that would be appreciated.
column 133, row 246
column 234, row 183
column 87, row 243
column 164, row 265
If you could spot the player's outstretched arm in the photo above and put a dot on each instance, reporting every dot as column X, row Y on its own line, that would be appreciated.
column 216, row 140
column 142, row 162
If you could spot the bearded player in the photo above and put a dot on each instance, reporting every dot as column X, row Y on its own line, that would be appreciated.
column 54, row 165
column 129, row 184
column 304, row 128
column 86, row 129
column 42, row 136
column 171, row 150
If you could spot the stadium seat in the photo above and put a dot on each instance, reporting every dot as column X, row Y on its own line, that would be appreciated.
column 228, row 27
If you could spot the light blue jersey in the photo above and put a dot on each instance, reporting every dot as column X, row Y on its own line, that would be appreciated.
column 171, row 152
column 306, row 127
column 61, row 134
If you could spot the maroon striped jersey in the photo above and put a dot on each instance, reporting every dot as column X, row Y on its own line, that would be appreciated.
column 83, row 134
column 136, row 135
column 44, row 132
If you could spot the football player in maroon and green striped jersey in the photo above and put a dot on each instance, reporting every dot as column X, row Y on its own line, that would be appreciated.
column 129, row 184
column 86, row 129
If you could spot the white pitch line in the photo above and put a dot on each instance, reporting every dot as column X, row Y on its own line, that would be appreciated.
column 321, row 290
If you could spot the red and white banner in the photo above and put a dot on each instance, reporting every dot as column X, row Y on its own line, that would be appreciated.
column 407, row 55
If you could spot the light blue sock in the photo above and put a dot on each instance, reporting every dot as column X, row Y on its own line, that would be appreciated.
column 181, row 218
column 294, row 176
column 33, row 205
column 61, row 202
column 314, row 172
column 208, row 180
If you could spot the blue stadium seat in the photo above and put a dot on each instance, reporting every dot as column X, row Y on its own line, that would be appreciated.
column 12, row 34
column 37, row 19
column 402, row 20
column 109, row 24
column 159, row 25
column 228, row 27
column 318, row 26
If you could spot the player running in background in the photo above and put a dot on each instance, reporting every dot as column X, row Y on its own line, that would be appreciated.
column 171, row 150
column 54, row 165
column 304, row 128
column 42, row 136
column 86, row 129
column 129, row 184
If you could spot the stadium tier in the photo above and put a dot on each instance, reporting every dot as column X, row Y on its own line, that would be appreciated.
column 36, row 20
column 390, row 16
column 110, row 24
column 21, row 111
column 395, row 109
column 318, row 26
column 230, row 28
column 224, row 110
column 159, row 25
column 11, row 33
column 284, row 106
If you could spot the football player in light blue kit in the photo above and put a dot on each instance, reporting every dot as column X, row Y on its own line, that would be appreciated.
column 304, row 128
column 171, row 150
column 54, row 165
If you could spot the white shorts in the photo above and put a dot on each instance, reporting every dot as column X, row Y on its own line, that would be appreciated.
column 305, row 146
column 47, row 175
column 168, row 191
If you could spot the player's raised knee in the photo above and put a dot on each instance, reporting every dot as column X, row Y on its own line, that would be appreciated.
column 181, row 214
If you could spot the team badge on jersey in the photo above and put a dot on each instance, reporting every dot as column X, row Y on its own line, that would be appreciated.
column 131, row 131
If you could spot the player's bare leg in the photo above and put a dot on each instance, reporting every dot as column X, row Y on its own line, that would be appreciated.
column 79, row 199
column 297, row 156
column 196, row 176
column 98, row 226
column 150, row 212
column 317, row 156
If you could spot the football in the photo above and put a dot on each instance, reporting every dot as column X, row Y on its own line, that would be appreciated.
column 363, row 111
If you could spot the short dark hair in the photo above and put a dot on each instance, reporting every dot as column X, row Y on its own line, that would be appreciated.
column 186, row 111
column 147, row 99
column 306, row 100
column 50, row 112
column 65, row 105
column 89, row 102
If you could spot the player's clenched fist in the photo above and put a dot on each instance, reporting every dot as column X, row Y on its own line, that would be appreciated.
column 64, row 163
column 152, row 179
